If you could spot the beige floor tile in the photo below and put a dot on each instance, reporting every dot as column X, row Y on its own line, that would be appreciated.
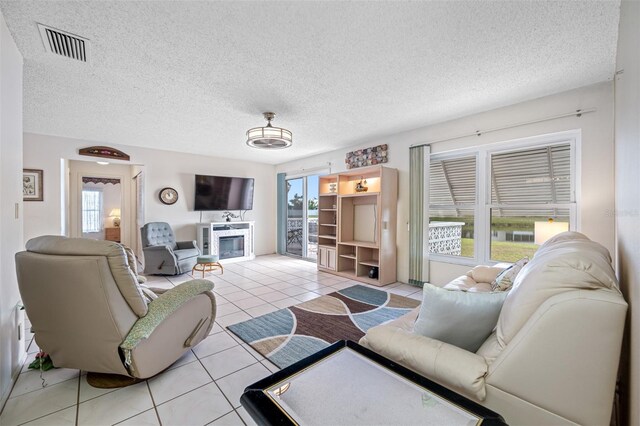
column 197, row 407
column 306, row 296
column 224, row 291
column 233, row 319
column 272, row 296
column 213, row 344
column 325, row 290
column 215, row 329
column 175, row 382
column 39, row 403
column 280, row 285
column 294, row 291
column 260, row 290
column 148, row 418
column 226, row 309
column 234, row 384
column 115, row 406
column 260, row 310
column 66, row 417
column 248, row 420
column 342, row 285
column 231, row 419
column 285, row 303
column 88, row 392
column 186, row 358
column 252, row 302
column 227, row 362
column 271, row 366
column 238, row 295
column 248, row 285
column 30, row 381
column 257, row 355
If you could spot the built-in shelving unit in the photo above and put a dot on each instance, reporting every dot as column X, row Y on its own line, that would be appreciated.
column 357, row 229
column 327, row 223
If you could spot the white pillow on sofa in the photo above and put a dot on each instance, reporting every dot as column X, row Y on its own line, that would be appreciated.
column 459, row 318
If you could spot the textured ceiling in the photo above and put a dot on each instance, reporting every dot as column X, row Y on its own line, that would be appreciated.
column 194, row 76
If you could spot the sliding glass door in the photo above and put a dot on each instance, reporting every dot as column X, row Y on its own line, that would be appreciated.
column 302, row 217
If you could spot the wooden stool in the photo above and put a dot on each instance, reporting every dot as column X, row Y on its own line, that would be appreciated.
column 207, row 264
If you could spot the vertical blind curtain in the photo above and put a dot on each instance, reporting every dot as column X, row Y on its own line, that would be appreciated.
column 418, row 215
column 281, row 213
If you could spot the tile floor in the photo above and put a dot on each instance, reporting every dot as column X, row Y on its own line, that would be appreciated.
column 204, row 386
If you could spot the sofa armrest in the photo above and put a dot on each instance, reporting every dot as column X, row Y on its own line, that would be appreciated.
column 182, row 245
column 160, row 309
column 452, row 367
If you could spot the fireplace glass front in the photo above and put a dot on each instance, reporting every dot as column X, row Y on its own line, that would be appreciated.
column 232, row 246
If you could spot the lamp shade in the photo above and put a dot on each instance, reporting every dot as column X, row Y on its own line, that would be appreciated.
column 114, row 213
column 545, row 230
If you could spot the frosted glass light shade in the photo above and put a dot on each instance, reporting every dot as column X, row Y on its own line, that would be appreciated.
column 269, row 137
column 545, row 230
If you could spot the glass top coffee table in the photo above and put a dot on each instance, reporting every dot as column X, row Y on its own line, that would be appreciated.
column 347, row 384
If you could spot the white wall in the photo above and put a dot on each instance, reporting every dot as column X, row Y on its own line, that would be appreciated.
column 597, row 200
column 162, row 169
column 11, row 350
column 627, row 154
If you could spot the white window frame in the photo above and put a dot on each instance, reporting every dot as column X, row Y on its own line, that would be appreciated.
column 482, row 225
column 100, row 212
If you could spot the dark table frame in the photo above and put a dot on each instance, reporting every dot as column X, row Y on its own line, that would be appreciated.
column 265, row 412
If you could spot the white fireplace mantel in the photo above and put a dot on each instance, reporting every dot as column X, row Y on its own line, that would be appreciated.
column 209, row 234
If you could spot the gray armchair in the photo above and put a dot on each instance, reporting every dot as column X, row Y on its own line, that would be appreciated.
column 162, row 254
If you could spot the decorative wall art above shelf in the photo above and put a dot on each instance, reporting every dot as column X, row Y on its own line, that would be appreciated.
column 104, row 152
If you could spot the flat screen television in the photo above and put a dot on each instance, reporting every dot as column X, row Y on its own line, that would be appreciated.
column 223, row 193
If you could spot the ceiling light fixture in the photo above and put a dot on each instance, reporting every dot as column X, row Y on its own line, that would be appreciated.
column 269, row 137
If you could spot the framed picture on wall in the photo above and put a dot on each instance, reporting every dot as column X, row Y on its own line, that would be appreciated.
column 31, row 185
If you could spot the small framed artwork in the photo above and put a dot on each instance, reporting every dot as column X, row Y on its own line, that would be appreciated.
column 31, row 185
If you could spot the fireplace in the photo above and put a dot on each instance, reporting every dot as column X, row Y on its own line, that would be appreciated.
column 231, row 246
column 231, row 241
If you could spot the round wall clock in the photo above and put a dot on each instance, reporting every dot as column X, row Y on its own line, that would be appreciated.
column 168, row 196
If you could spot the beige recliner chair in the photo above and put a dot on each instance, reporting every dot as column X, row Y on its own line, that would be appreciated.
column 553, row 357
column 88, row 311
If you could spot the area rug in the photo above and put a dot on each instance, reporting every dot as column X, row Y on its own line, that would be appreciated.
column 291, row 334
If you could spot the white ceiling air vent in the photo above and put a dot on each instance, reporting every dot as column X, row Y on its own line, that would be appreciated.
column 64, row 44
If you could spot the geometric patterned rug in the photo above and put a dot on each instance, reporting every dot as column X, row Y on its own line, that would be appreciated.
column 291, row 334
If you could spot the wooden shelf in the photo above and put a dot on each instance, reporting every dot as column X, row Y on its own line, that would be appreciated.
column 359, row 194
column 329, row 237
column 349, row 272
column 367, row 244
column 328, row 210
column 370, row 262
column 331, row 194
column 328, row 224
column 327, row 246
column 348, row 256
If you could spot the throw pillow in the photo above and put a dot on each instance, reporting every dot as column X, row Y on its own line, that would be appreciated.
column 506, row 278
column 459, row 318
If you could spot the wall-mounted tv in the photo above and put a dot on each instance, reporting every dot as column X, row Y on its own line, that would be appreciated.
column 223, row 193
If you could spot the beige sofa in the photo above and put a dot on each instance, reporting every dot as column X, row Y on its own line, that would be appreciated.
column 89, row 312
column 553, row 357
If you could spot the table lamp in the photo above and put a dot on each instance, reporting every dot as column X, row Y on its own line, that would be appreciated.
column 545, row 230
column 115, row 214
